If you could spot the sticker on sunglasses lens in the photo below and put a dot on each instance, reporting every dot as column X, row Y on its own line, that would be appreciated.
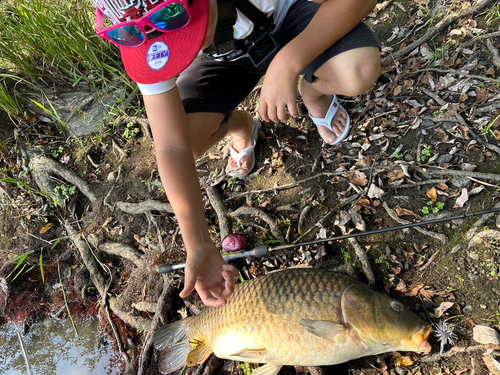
column 158, row 55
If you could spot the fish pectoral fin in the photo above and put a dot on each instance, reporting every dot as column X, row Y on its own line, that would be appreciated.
column 198, row 354
column 267, row 370
column 250, row 353
column 326, row 329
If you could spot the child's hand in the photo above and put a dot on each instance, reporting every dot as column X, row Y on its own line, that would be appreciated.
column 279, row 92
column 210, row 275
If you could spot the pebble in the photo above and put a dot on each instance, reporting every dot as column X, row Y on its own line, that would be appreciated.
column 443, row 159
column 467, row 309
column 474, row 256
column 472, row 277
column 409, row 157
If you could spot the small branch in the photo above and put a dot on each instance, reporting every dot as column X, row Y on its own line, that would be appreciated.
column 332, row 212
column 436, row 171
column 395, row 217
column 437, row 28
column 112, row 188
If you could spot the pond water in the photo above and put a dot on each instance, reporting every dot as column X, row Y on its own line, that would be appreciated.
column 53, row 348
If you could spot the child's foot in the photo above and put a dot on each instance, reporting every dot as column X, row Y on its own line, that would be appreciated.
column 242, row 159
column 319, row 109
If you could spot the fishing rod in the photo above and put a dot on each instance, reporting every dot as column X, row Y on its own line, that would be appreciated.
column 263, row 251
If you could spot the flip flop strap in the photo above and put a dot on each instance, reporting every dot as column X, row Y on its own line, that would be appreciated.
column 327, row 120
column 237, row 156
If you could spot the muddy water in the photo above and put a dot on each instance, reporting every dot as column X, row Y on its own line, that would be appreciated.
column 52, row 348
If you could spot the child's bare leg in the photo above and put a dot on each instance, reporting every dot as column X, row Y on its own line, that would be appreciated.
column 350, row 73
column 207, row 129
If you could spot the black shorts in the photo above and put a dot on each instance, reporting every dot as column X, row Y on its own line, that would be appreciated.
column 209, row 85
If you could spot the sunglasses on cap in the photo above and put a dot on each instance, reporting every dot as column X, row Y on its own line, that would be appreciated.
column 172, row 15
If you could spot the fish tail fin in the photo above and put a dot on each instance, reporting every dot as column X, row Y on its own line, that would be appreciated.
column 173, row 340
column 174, row 357
column 170, row 334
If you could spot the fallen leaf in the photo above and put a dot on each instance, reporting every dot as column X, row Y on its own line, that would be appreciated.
column 375, row 192
column 46, row 228
column 462, row 199
column 476, row 190
column 358, row 178
column 431, row 193
column 441, row 309
column 485, row 335
column 396, row 174
column 492, row 364
column 442, row 186
column 404, row 212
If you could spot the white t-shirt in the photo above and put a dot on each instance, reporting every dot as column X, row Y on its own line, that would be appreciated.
column 243, row 27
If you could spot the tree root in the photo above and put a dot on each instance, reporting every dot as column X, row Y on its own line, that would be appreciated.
column 395, row 217
column 164, row 304
column 269, row 219
column 42, row 168
column 144, row 207
column 221, row 210
column 124, row 251
column 365, row 263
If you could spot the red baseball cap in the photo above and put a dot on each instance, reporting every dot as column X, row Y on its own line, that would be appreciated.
column 164, row 56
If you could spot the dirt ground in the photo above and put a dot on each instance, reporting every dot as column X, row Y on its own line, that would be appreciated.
column 424, row 145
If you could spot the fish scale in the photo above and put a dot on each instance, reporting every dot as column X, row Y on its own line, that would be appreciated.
column 303, row 316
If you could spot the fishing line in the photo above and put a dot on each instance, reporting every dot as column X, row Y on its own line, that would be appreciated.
column 263, row 251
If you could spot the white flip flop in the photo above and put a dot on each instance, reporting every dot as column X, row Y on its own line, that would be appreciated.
column 327, row 120
column 237, row 156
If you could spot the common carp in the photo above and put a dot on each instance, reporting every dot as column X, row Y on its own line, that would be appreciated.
column 298, row 316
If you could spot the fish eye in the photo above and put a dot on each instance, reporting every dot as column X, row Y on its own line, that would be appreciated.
column 397, row 306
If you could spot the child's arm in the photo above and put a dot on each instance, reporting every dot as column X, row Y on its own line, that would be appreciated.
column 205, row 270
column 333, row 20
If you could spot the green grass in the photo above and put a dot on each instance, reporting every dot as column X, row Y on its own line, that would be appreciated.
column 53, row 43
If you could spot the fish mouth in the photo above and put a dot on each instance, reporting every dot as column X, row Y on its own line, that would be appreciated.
column 420, row 338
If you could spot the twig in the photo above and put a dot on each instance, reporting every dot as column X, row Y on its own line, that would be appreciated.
column 437, row 28
column 66, row 300
column 429, row 262
column 405, row 186
column 116, row 333
column 436, row 171
column 395, row 217
column 332, row 212
column 303, row 213
column 221, row 210
column 450, row 71
column 23, row 351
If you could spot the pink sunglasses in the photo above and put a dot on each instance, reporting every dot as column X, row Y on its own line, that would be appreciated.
column 172, row 15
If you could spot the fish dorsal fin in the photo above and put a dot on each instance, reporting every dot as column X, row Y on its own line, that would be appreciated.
column 198, row 354
column 326, row 329
column 267, row 370
column 250, row 353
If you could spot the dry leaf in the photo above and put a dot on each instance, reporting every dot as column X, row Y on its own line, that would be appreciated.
column 431, row 193
column 468, row 167
column 485, row 335
column 396, row 174
column 375, row 192
column 108, row 220
column 440, row 310
column 401, row 361
column 358, row 178
column 404, row 212
column 492, row 364
column 364, row 202
column 462, row 199
column 442, row 186
column 46, row 228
